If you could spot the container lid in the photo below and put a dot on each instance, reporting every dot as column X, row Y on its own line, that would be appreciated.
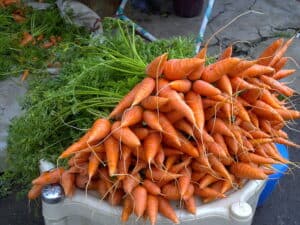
column 241, row 210
column 52, row 193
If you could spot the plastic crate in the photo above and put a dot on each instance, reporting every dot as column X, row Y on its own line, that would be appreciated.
column 274, row 178
column 237, row 209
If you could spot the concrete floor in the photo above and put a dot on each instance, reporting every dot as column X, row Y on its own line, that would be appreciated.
column 249, row 34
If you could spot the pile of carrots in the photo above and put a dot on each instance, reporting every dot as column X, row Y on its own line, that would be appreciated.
column 185, row 131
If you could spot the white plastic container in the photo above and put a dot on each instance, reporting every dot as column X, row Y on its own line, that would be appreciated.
column 237, row 209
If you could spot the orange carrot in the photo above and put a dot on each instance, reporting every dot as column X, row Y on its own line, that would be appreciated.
column 68, row 183
column 127, row 208
column 170, row 161
column 204, row 88
column 151, row 187
column 280, row 64
column 215, row 71
column 174, row 116
column 155, row 68
column 146, row 87
column 125, row 135
column 254, row 158
column 190, row 205
column 244, row 170
column 112, row 154
column 194, row 101
column 281, row 52
column 132, row 116
column 184, row 126
column 277, row 86
column 170, row 191
column 140, row 132
column 282, row 74
column 207, row 102
column 255, row 71
column 224, row 84
column 130, row 182
column 152, row 120
column 186, row 146
column 181, row 85
column 180, row 166
column 208, row 193
column 125, row 102
column 49, row 177
column 172, row 151
column 151, row 146
column 94, row 162
column 184, row 181
column 25, row 75
column 266, row 111
column 35, row 191
column 139, row 195
column 226, row 53
column 176, row 69
column 207, row 180
column 268, row 98
column 152, row 208
column 154, row 102
column 27, row 38
column 175, row 100
column 219, row 167
column 161, row 175
column 240, row 67
column 266, row 56
column 115, row 197
column 217, row 125
column 288, row 114
column 166, row 209
column 168, row 130
column 239, row 84
column 99, row 130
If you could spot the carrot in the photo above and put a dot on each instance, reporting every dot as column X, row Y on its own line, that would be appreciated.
column 174, row 116
column 242, row 112
column 268, row 98
column 169, row 130
column 127, row 208
column 244, row 170
column 170, row 161
column 195, row 177
column 204, row 88
column 277, row 86
column 288, row 114
column 160, row 158
column 155, row 68
column 172, row 151
column 207, row 102
column 282, row 74
column 125, row 135
column 184, row 181
column 103, row 173
column 207, row 180
column 203, row 135
column 219, row 167
column 240, row 67
column 184, row 126
column 216, row 150
column 152, row 120
column 115, row 197
column 130, row 182
column 171, row 192
column 260, row 141
column 190, row 205
column 152, row 208
column 125, row 102
column 254, row 119
column 112, row 154
column 180, row 166
column 49, row 177
column 161, row 175
column 181, row 85
column 208, row 193
column 145, row 88
column 280, row 64
column 124, row 163
column 139, row 166
column 220, row 140
column 226, row 53
column 25, row 75
column 175, row 100
column 154, row 102
column 256, row 81
column 239, row 84
column 166, row 209
column 217, row 125
column 35, row 191
column 139, row 153
column 186, row 146
column 151, row 146
column 132, row 116
column 197, row 73
column 176, row 69
column 27, row 38
column 266, row 111
column 189, row 192
column 281, row 52
column 254, row 158
column 140, row 132
column 255, row 71
column 258, row 134
column 232, row 145
column 99, row 130
column 94, row 162
column 139, row 195
column 67, row 182
column 215, row 71
column 224, row 84
column 283, row 141
column 266, row 56
column 151, row 187
column 194, row 101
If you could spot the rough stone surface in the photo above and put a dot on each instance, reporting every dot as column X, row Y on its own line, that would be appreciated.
column 11, row 90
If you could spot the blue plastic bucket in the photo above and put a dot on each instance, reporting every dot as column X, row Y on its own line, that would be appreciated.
column 274, row 178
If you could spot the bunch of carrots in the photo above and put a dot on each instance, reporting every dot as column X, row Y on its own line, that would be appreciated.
column 185, row 131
